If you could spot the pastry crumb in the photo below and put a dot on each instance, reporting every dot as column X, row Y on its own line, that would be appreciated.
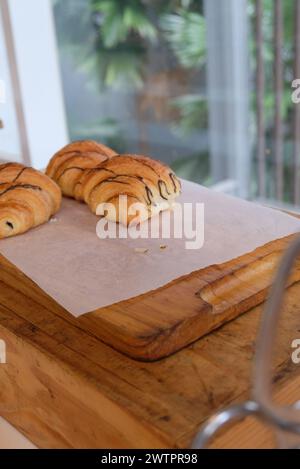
column 53, row 220
column 141, row 250
column 162, row 247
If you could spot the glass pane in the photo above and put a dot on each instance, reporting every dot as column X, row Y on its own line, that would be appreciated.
column 205, row 86
column 134, row 77
column 279, row 136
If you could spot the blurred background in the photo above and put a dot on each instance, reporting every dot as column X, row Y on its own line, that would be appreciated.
column 204, row 85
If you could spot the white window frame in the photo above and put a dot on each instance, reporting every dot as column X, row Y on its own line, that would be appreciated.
column 228, row 90
column 34, row 69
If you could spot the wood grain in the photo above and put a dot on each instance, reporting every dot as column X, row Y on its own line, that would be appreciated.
column 161, row 322
column 63, row 387
column 157, row 324
column 253, row 433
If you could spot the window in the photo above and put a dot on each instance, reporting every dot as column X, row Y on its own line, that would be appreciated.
column 134, row 76
column 204, row 85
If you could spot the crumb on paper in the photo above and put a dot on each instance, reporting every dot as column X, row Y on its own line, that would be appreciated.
column 141, row 250
column 162, row 247
column 53, row 220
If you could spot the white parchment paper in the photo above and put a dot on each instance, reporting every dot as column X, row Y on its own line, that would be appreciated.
column 83, row 273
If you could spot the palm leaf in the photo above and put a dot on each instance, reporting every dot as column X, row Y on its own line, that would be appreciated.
column 185, row 32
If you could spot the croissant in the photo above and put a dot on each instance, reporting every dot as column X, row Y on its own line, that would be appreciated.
column 28, row 198
column 16, row 172
column 141, row 179
column 68, row 164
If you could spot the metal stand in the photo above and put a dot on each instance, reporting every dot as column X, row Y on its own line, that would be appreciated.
column 284, row 420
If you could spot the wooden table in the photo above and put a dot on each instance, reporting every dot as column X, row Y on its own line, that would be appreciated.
column 68, row 389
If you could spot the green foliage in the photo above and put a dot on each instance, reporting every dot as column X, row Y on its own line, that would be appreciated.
column 268, row 51
column 123, row 32
column 109, row 41
column 106, row 130
column 120, row 19
column 287, row 105
column 193, row 113
column 194, row 167
column 185, row 32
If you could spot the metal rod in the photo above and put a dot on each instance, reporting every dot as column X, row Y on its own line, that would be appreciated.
column 215, row 423
column 278, row 81
column 260, row 87
column 285, row 417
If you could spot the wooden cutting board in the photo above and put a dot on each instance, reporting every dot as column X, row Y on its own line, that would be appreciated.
column 159, row 323
column 62, row 387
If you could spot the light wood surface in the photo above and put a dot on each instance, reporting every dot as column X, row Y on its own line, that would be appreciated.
column 159, row 323
column 253, row 433
column 63, row 387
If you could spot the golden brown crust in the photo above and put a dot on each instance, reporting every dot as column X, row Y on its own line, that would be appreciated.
column 35, row 197
column 151, row 183
column 28, row 198
column 67, row 165
column 83, row 146
column 164, row 172
column 105, row 177
column 67, row 173
column 8, row 170
column 15, row 172
column 16, row 217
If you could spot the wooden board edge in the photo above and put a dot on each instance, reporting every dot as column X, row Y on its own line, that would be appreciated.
column 214, row 311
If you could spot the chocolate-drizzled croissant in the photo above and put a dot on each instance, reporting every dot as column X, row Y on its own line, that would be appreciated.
column 28, row 198
column 68, row 164
column 141, row 179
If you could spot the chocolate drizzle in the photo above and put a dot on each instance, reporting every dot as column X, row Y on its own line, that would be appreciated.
column 89, row 171
column 112, row 179
column 98, row 168
column 144, row 163
column 160, row 183
column 163, row 188
column 69, row 169
column 149, row 193
column 69, row 152
column 80, row 153
column 6, row 165
column 20, row 186
column 19, row 174
column 172, row 177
